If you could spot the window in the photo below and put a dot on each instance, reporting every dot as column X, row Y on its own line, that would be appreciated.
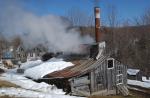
column 119, row 69
column 110, row 63
column 119, row 79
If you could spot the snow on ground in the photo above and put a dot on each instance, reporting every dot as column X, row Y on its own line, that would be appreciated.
column 30, row 64
column 30, row 88
column 139, row 83
column 132, row 71
column 35, row 69
column 0, row 62
column 29, row 84
column 26, row 65
column 19, row 92
column 145, row 80
column 45, row 68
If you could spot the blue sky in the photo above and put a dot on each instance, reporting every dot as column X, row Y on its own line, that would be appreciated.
column 126, row 9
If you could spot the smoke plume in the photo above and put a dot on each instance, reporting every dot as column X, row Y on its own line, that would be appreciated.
column 49, row 30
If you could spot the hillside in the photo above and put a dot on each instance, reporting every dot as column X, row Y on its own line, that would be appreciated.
column 128, row 44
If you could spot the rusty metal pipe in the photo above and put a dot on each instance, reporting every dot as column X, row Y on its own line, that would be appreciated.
column 97, row 24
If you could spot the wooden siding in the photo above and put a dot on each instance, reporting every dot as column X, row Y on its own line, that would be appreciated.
column 99, row 79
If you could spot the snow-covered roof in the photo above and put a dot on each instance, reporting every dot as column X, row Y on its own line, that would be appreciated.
column 45, row 68
column 102, row 46
column 132, row 71
column 30, row 64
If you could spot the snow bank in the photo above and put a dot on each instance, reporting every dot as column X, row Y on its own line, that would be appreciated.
column 45, row 68
column 30, row 89
column 0, row 62
column 132, row 71
column 18, row 92
column 30, row 64
column 139, row 83
column 145, row 80
column 29, row 84
column 26, row 65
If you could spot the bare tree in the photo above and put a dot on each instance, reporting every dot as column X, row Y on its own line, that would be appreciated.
column 143, row 19
column 112, row 23
column 3, row 44
column 82, row 20
column 143, row 43
column 130, row 44
column 16, row 41
column 146, row 17
column 77, row 17
column 112, row 16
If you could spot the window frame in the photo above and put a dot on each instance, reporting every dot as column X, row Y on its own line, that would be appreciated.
column 113, row 63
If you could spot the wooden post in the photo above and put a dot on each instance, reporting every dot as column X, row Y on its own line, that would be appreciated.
column 92, row 81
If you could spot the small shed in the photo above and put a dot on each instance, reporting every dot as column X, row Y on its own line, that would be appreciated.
column 105, row 76
column 99, row 74
column 102, row 75
column 134, row 74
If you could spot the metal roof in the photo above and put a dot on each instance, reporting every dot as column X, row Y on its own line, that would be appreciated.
column 71, row 71
column 81, row 67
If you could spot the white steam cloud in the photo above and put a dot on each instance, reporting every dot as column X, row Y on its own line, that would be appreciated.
column 48, row 30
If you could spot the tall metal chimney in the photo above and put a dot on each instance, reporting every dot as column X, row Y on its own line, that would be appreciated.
column 97, row 24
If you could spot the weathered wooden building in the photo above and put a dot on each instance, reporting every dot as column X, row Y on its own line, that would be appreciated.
column 98, row 74
column 101, row 76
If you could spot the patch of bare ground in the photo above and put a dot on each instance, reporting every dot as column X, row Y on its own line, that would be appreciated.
column 112, row 97
column 133, row 94
column 6, row 96
column 7, row 84
column 139, row 94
